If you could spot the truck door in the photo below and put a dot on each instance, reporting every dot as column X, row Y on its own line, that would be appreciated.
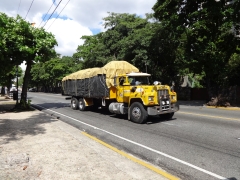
column 123, row 90
column 120, row 82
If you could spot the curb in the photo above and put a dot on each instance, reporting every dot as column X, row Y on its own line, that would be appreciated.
column 223, row 108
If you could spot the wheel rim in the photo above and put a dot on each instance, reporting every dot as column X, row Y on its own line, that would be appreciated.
column 80, row 104
column 136, row 112
column 73, row 103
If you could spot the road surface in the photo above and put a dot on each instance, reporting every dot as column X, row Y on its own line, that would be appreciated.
column 198, row 143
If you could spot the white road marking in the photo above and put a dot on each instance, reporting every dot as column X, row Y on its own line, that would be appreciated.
column 145, row 147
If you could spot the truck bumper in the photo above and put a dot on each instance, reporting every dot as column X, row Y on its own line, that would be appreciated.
column 156, row 110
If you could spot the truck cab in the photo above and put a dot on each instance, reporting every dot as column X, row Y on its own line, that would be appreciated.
column 138, row 98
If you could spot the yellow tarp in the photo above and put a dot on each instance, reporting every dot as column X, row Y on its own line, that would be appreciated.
column 111, row 70
column 115, row 68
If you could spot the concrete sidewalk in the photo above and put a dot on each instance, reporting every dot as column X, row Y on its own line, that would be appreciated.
column 33, row 145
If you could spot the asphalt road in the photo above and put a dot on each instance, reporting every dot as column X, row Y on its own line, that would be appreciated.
column 198, row 143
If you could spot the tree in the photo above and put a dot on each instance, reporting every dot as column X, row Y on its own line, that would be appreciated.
column 233, row 67
column 93, row 53
column 21, row 41
column 41, row 50
column 143, row 42
column 50, row 74
column 127, row 37
column 209, row 27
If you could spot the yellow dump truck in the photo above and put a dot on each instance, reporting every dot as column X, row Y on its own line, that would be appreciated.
column 121, row 88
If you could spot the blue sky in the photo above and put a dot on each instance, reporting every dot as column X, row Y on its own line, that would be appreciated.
column 78, row 17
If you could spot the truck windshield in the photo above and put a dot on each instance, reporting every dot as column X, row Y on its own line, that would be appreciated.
column 138, row 80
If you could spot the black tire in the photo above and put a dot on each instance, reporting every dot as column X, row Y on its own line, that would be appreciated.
column 138, row 114
column 167, row 116
column 74, row 103
column 81, row 105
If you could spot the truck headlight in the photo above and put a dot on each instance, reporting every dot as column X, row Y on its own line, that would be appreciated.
column 150, row 98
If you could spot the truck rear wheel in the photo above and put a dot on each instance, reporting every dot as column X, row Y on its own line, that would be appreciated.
column 74, row 103
column 138, row 114
column 81, row 105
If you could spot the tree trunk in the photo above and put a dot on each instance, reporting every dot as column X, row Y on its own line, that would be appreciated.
column 9, row 84
column 25, row 82
column 3, row 90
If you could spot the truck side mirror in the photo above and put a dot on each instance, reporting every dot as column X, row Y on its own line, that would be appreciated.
column 133, row 89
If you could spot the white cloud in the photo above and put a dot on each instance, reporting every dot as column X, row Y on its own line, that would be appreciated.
column 68, row 34
column 83, row 15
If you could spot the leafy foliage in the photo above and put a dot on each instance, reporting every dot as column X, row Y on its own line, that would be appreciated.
column 22, row 42
column 49, row 74
column 209, row 28
column 133, row 39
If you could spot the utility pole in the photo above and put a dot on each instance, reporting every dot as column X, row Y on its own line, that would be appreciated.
column 17, row 81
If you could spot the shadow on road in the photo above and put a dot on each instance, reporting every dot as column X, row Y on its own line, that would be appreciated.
column 56, row 105
column 151, row 119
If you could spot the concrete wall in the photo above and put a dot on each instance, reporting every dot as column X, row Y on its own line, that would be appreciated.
column 232, row 94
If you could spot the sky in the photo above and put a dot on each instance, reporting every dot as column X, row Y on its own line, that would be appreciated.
column 78, row 18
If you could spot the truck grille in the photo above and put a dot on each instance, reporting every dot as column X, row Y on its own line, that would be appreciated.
column 163, row 92
column 164, row 100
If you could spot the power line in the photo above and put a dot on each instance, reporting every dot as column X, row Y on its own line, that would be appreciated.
column 29, row 9
column 58, row 14
column 47, row 13
column 19, row 6
column 52, row 13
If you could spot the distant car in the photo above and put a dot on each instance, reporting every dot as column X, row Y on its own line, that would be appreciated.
column 32, row 90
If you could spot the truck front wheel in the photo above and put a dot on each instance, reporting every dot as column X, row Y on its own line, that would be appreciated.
column 74, row 103
column 138, row 114
column 81, row 105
